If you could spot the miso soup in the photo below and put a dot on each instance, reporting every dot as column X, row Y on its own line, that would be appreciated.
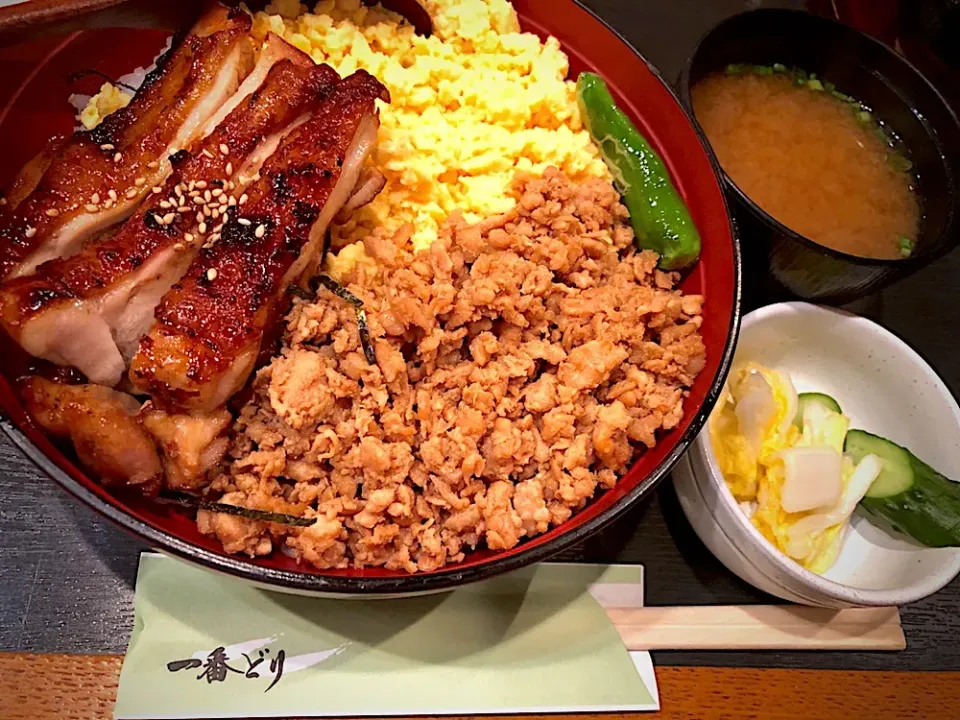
column 812, row 158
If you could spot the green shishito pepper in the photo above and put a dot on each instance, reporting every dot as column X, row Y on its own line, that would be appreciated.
column 659, row 217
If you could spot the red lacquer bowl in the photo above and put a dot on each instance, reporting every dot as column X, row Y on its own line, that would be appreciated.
column 36, row 108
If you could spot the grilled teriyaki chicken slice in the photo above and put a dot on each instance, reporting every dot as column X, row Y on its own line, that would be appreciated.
column 274, row 49
column 210, row 326
column 95, row 179
column 103, row 425
column 124, row 443
column 89, row 310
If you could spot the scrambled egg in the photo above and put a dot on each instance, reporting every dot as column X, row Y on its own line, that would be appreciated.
column 110, row 99
column 471, row 105
column 751, row 426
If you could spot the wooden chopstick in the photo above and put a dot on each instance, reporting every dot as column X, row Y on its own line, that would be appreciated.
column 758, row 627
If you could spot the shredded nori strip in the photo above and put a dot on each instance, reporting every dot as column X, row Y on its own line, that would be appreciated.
column 262, row 515
column 341, row 292
column 299, row 292
column 74, row 76
column 365, row 336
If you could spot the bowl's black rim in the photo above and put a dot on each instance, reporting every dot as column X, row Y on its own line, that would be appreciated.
column 446, row 579
column 908, row 264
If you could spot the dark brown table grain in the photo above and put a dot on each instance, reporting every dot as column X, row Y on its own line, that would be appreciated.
column 66, row 576
column 84, row 687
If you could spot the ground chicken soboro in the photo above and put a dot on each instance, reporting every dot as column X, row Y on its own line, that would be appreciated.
column 521, row 364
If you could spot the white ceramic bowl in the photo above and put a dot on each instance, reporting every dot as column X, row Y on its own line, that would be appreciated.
column 886, row 388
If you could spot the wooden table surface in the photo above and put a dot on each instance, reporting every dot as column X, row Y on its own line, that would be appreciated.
column 83, row 687
column 67, row 577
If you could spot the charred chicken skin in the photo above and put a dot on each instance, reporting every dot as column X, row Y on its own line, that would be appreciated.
column 92, row 180
column 89, row 310
column 210, row 326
